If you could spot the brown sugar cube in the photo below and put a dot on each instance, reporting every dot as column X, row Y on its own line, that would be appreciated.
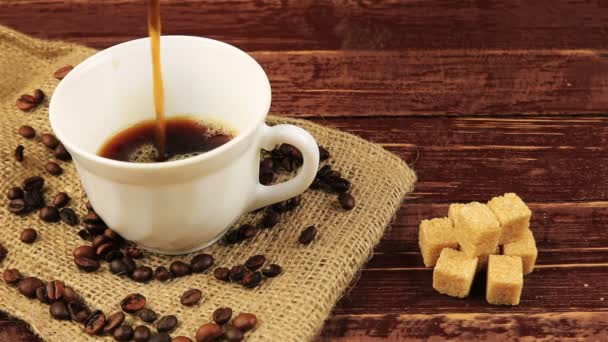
column 505, row 280
column 454, row 272
column 513, row 215
column 433, row 236
column 525, row 248
column 477, row 229
column 482, row 260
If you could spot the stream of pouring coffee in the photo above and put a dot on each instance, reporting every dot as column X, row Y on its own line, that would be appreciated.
column 159, row 93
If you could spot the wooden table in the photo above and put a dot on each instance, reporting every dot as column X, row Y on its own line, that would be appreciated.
column 482, row 97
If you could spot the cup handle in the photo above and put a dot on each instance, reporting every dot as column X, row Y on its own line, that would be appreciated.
column 303, row 141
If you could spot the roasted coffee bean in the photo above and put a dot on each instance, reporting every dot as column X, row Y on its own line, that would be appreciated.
column 70, row 295
column 237, row 273
column 247, row 231
column 323, row 153
column 255, row 262
column 14, row 193
column 166, row 323
column 272, row 271
column 340, row 185
column 49, row 214
column 3, row 252
column 130, row 264
column 18, row 206
column 61, row 200
column 270, row 219
column 92, row 217
column 11, row 276
column 103, row 250
column 99, row 240
column 84, row 234
column 222, row 315
column 94, row 324
column 245, row 321
column 95, row 228
column 62, row 72
column 41, row 295
column 28, row 132
column 222, row 273
column 142, row 274
column 162, row 274
column 266, row 177
column 89, row 206
column 191, row 297
column 118, row 267
column 161, row 337
column 25, row 102
column 49, row 140
column 28, row 286
column 233, row 237
column 233, row 334
column 61, row 153
column 86, row 264
column 347, row 201
column 59, row 311
column 113, row 255
column 78, row 312
column 147, row 315
column 53, row 168
column 181, row 339
column 267, row 163
column 34, row 198
column 142, row 333
column 133, row 303
column 252, row 279
column 179, row 269
column 208, row 332
column 85, row 252
column 33, row 183
column 201, row 262
column 28, row 235
column 132, row 251
column 38, row 96
column 112, row 235
column 114, row 321
column 123, row 333
column 55, row 290
column 19, row 153
column 308, row 235
column 68, row 216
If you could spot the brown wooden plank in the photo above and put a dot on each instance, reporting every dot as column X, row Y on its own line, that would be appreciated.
column 328, row 24
column 587, row 326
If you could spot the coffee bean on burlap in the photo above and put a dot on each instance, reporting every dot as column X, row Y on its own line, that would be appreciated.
column 25, row 102
column 14, row 193
column 118, row 267
column 41, row 295
column 49, row 214
column 251, row 279
column 38, row 96
column 346, row 200
column 179, row 269
column 95, row 228
column 181, row 339
column 323, row 153
column 12, row 276
column 166, row 323
column 201, row 262
column 245, row 321
column 222, row 315
column 272, row 271
column 68, row 216
column 270, row 219
column 62, row 72
column 133, row 303
column 98, row 241
column 247, row 231
column 28, row 286
column 123, row 333
column 85, row 252
column 49, row 140
column 141, row 333
column 61, row 153
column 59, row 311
column 162, row 274
column 232, row 334
column 191, row 297
column 255, row 262
column 32, row 183
column 160, row 337
column 3, row 252
column 18, row 206
column 86, row 264
column 113, row 321
column 104, row 249
column 237, row 273
column 19, row 153
column 91, row 217
column 266, row 177
column 28, row 235
column 339, row 184
column 55, row 290
column 70, row 295
column 147, row 315
column 208, row 332
column 78, row 311
column 114, row 255
column 112, row 235
column 222, row 273
column 61, row 200
column 53, row 168
column 142, row 274
column 34, row 199
column 132, row 251
column 94, row 324
column 130, row 264
column 28, row 132
column 84, row 234
column 308, row 235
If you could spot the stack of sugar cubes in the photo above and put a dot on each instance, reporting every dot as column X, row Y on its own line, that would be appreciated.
column 469, row 240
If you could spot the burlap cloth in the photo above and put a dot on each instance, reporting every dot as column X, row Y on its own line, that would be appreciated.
column 291, row 307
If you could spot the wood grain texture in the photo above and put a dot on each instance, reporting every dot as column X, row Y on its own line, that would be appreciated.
column 325, row 24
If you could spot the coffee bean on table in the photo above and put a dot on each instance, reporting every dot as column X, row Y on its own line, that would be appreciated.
column 53, row 168
column 19, row 153
column 237, row 273
column 55, row 290
column 133, row 303
column 49, row 140
column 86, row 264
column 28, row 235
column 34, row 198
column 62, row 72
column 28, row 132
column 18, row 206
column 347, row 201
column 61, row 153
column 147, row 315
column 94, row 324
column 123, row 333
column 141, row 333
column 208, row 332
column 308, row 235
column 85, row 251
column 14, row 193
column 11, row 276
column 222, row 273
column 49, row 214
column 3, row 252
column 181, row 339
column 68, row 216
column 179, row 269
column 255, row 262
column 162, row 274
column 61, row 200
column 201, row 262
column 245, row 321
column 142, row 274
column 222, row 315
column 272, row 271
column 166, row 323
column 160, row 337
column 59, row 311
column 28, row 286
column 33, row 183
column 113, row 321
column 191, row 297
column 233, row 334
column 270, row 219
column 252, row 279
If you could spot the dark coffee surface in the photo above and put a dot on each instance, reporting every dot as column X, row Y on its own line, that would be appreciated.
column 186, row 137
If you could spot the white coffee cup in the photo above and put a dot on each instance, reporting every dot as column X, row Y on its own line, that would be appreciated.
column 177, row 206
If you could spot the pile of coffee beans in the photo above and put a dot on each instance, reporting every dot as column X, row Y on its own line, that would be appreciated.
column 248, row 275
column 27, row 102
column 222, row 329
column 331, row 181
